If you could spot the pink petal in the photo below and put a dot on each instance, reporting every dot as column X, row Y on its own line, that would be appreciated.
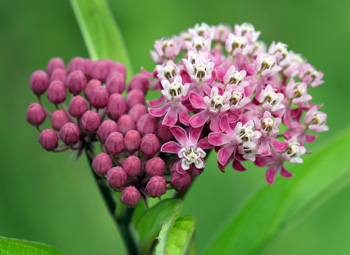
column 225, row 153
column 171, row 147
column 233, row 117
column 156, row 102
column 158, row 112
column 236, row 164
column 285, row 173
column 185, row 77
column 170, row 118
column 264, row 148
column 197, row 101
column 204, row 144
column 263, row 161
column 278, row 145
column 179, row 168
column 310, row 138
column 270, row 174
column 184, row 115
column 221, row 167
column 199, row 119
column 215, row 123
column 194, row 134
column 224, row 124
column 218, row 139
column 180, row 135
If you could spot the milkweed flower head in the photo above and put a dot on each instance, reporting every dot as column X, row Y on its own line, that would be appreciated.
column 220, row 88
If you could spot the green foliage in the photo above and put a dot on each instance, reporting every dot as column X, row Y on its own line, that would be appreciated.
column 101, row 33
column 9, row 246
column 267, row 213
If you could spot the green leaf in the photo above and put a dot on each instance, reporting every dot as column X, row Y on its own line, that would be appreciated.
column 177, row 239
column 101, row 34
column 272, row 208
column 151, row 222
column 9, row 246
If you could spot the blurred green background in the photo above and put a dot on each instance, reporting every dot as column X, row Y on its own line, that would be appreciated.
column 48, row 198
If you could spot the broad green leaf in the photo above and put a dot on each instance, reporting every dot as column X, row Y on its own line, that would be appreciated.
column 151, row 222
column 179, row 236
column 284, row 204
column 10, row 246
column 101, row 34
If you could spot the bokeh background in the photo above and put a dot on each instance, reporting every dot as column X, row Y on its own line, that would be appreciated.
column 48, row 198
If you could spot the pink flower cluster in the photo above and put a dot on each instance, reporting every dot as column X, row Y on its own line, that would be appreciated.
column 226, row 85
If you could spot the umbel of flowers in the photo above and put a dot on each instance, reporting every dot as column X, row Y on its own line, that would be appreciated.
column 219, row 88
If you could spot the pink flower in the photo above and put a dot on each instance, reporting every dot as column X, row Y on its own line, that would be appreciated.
column 165, row 50
column 310, row 76
column 266, row 65
column 270, row 100
column 297, row 92
column 237, row 45
column 247, row 30
column 188, row 149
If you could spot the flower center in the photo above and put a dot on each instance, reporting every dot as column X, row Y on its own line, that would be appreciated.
column 247, row 28
column 317, row 118
column 169, row 72
column 267, row 124
column 167, row 43
column 246, row 134
column 299, row 90
column 192, row 155
column 236, row 96
column 216, row 102
column 293, row 150
column 198, row 43
column 200, row 71
column 175, row 89
column 235, row 78
column 239, row 42
column 312, row 72
column 271, row 98
column 267, row 63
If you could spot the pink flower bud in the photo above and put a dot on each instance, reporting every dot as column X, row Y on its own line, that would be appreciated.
column 98, row 70
column 116, row 84
column 130, row 196
column 70, row 133
column 77, row 106
column 139, row 81
column 76, row 82
column 58, row 75
column 137, row 111
column 108, row 64
column 156, row 186
column 36, row 114
column 102, row 163
column 90, row 121
column 132, row 141
column 116, row 177
column 106, row 128
column 146, row 124
column 150, row 145
column 125, row 123
column 135, row 96
column 194, row 171
column 58, row 119
column 54, row 64
column 92, row 84
column 99, row 97
column 115, row 143
column 57, row 92
column 48, row 139
column 155, row 166
column 118, row 67
column 163, row 132
column 76, row 64
column 39, row 82
column 116, row 106
column 132, row 166
column 180, row 182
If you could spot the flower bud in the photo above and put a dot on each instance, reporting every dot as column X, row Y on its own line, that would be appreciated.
column 116, row 84
column 76, row 82
column 139, row 81
column 97, row 70
column 70, row 133
column 163, row 132
column 90, row 86
column 57, row 92
column 116, row 106
column 36, row 114
column 146, row 124
column 156, row 186
column 102, row 163
column 135, row 96
column 90, row 121
column 130, row 196
column 48, row 139
column 181, row 182
column 118, row 67
column 54, row 64
column 99, row 97
column 132, row 166
column 108, row 64
column 58, row 75
column 150, row 145
column 125, row 123
column 115, row 143
column 116, row 177
column 137, row 111
column 132, row 141
column 194, row 171
column 77, row 64
column 77, row 106
column 106, row 128
column 58, row 119
column 155, row 166
column 39, row 82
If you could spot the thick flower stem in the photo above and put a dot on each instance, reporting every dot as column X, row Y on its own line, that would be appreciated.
column 124, row 222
